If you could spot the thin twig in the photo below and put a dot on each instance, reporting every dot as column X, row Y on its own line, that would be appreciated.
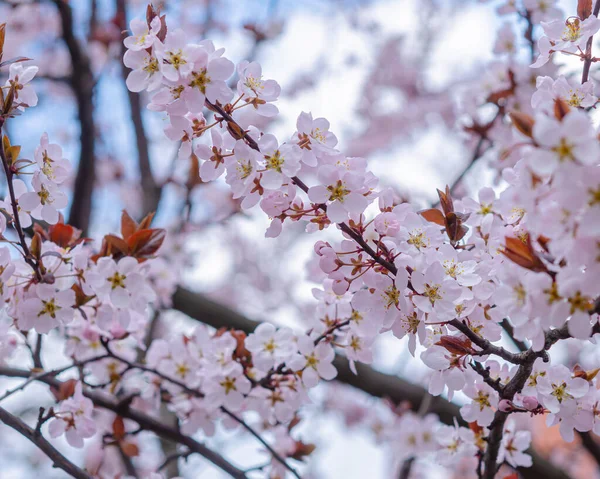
column 587, row 63
column 58, row 460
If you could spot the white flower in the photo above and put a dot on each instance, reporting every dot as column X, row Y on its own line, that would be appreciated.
column 313, row 361
column 270, row 346
column 19, row 78
column 46, row 309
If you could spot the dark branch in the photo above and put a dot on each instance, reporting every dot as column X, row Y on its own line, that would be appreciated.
column 58, row 460
column 82, row 84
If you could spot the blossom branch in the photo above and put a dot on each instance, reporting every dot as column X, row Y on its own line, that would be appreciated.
column 27, row 256
column 587, row 63
column 146, row 422
column 58, row 460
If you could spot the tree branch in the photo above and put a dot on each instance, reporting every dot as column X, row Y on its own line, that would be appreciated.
column 368, row 380
column 55, row 456
column 587, row 63
column 82, row 84
column 145, row 421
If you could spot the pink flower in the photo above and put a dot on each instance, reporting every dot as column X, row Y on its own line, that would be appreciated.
column 340, row 190
column 44, row 202
column 314, row 137
column 145, row 71
column 257, row 91
column 313, row 361
column 280, row 161
column 562, row 143
column 19, row 77
column 47, row 308
column 436, row 294
column 142, row 37
column 73, row 418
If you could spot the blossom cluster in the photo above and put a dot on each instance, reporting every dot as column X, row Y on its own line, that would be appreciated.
column 448, row 278
column 449, row 281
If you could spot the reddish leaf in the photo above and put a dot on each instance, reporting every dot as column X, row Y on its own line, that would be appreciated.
column 455, row 345
column 433, row 215
column 118, row 427
column 114, row 243
column 145, row 243
column 64, row 235
column 128, row 225
column 145, row 223
column 584, row 8
column 561, row 108
column 446, row 201
column 522, row 122
column 65, row 390
column 130, row 449
column 520, row 251
column 80, row 297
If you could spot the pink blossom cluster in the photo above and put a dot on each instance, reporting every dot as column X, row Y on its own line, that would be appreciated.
column 445, row 279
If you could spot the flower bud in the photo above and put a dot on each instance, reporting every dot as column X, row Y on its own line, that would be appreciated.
column 530, row 403
column 506, row 406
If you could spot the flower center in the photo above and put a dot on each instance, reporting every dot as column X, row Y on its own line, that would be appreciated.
column 338, row 191
column 50, row 308
column 274, row 162
column 564, row 150
column 433, row 292
column 200, row 80
column 117, row 280
column 228, row 384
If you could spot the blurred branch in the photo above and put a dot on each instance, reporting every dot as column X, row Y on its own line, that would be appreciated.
column 368, row 380
column 82, row 84
column 590, row 444
column 58, row 460
column 150, row 189
column 146, row 422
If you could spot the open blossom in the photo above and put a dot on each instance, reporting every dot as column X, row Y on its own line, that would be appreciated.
column 143, row 37
column 121, row 282
column 207, row 78
column 47, row 308
column 484, row 401
column 313, row 361
column 568, row 36
column 48, row 156
column 19, row 78
column 562, row 143
column 177, row 56
column 280, row 161
column 314, row 137
column 260, row 93
column 514, row 443
column 436, row 293
column 44, row 202
column 270, row 346
column 341, row 191
column 558, row 389
column 228, row 388
column 506, row 41
column 73, row 418
column 145, row 71
column 570, row 91
column 455, row 442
